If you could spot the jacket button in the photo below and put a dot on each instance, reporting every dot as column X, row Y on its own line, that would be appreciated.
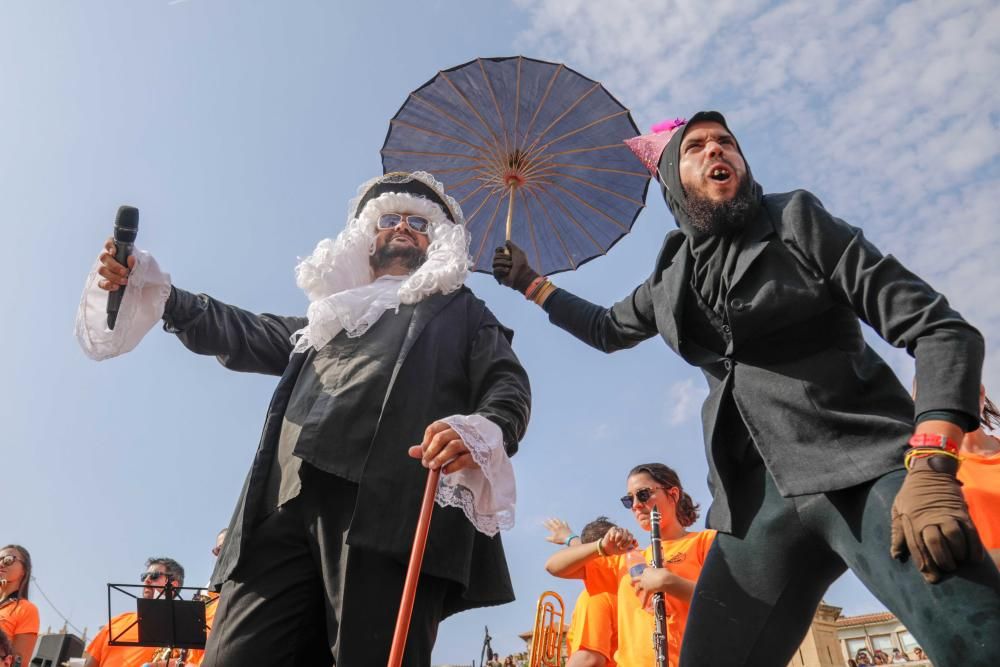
column 726, row 330
column 728, row 365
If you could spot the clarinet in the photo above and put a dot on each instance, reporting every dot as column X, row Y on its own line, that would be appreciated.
column 659, row 604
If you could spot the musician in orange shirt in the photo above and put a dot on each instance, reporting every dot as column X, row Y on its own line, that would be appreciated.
column 980, row 476
column 18, row 615
column 211, row 600
column 615, row 565
column 592, row 638
column 124, row 627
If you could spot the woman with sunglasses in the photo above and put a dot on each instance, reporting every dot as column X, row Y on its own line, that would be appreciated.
column 608, row 564
column 18, row 616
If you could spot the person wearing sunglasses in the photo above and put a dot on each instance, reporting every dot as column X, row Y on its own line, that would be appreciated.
column 18, row 615
column 396, row 368
column 615, row 564
column 159, row 571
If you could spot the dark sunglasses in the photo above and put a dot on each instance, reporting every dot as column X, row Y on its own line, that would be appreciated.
column 642, row 495
column 9, row 560
column 417, row 223
column 151, row 576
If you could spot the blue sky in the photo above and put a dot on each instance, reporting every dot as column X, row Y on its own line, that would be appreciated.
column 240, row 131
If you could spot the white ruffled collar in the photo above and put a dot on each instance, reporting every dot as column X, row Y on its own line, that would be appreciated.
column 354, row 310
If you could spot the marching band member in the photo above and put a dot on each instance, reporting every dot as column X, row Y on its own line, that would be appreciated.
column 592, row 637
column 614, row 565
column 18, row 615
column 124, row 626
column 979, row 473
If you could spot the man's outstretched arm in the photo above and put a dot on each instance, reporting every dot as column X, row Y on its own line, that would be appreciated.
column 624, row 325
column 241, row 340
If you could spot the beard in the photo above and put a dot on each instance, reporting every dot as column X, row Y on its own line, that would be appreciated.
column 408, row 257
column 715, row 218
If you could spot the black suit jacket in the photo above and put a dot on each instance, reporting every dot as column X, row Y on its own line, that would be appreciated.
column 823, row 409
column 455, row 359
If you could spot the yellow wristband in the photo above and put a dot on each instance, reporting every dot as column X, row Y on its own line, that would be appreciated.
column 544, row 292
column 924, row 453
column 600, row 549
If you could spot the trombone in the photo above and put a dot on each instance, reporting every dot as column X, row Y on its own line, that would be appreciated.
column 549, row 631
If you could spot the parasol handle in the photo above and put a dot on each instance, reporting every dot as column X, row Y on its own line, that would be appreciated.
column 413, row 571
column 510, row 207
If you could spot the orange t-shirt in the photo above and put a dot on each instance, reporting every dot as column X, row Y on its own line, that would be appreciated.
column 195, row 656
column 120, row 656
column 593, row 625
column 19, row 617
column 980, row 477
column 684, row 557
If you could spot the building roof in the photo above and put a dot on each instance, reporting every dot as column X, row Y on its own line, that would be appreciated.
column 865, row 619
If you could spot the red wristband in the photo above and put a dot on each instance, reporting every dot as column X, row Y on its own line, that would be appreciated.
column 532, row 287
column 935, row 441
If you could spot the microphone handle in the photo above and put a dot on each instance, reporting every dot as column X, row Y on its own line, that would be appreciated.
column 122, row 252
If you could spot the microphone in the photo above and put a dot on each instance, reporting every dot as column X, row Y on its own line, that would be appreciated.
column 126, row 229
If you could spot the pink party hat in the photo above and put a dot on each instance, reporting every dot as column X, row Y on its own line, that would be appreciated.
column 649, row 147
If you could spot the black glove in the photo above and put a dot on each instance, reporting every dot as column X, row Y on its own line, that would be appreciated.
column 511, row 268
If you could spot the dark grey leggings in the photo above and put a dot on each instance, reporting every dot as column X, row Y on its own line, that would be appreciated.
column 757, row 594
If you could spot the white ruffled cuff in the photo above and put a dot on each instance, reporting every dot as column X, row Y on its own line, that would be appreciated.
column 486, row 495
column 141, row 308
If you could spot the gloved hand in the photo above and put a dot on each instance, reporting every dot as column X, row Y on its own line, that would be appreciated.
column 511, row 268
column 930, row 520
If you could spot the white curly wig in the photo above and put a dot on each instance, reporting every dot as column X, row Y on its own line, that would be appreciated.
column 343, row 263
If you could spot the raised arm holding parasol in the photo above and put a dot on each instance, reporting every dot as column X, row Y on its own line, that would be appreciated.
column 805, row 427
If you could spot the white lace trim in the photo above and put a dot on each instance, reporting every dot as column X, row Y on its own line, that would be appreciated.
column 354, row 311
column 141, row 308
column 486, row 495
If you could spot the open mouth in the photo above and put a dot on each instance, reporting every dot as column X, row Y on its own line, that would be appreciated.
column 719, row 174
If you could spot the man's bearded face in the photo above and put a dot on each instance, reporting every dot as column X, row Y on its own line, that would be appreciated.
column 722, row 217
column 714, row 176
column 399, row 245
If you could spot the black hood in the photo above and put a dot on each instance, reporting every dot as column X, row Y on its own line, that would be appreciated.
column 670, row 177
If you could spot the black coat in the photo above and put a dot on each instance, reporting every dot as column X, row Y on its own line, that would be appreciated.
column 455, row 359
column 823, row 409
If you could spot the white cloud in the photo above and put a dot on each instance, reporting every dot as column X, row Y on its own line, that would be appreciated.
column 887, row 111
column 684, row 398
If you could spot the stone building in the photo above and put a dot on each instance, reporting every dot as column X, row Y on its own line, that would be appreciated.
column 833, row 639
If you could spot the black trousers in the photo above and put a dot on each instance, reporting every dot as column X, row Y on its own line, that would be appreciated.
column 757, row 593
column 301, row 596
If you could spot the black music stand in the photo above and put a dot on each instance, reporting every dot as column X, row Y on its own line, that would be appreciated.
column 167, row 621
